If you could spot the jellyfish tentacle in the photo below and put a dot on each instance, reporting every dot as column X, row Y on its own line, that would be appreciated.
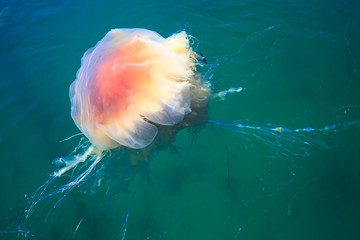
column 222, row 94
column 90, row 154
column 286, row 141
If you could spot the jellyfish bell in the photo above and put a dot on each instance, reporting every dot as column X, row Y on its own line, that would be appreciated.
column 134, row 82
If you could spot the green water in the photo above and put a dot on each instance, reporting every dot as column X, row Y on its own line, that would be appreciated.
column 298, row 62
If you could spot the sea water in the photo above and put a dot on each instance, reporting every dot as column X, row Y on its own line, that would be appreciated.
column 298, row 65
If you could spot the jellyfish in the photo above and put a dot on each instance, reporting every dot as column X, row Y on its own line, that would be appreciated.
column 133, row 82
column 134, row 86
column 134, row 91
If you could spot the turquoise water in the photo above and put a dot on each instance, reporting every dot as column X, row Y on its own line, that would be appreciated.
column 298, row 63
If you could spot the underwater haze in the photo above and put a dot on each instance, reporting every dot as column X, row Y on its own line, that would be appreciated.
column 277, row 160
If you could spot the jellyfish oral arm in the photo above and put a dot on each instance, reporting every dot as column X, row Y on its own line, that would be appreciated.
column 72, row 161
